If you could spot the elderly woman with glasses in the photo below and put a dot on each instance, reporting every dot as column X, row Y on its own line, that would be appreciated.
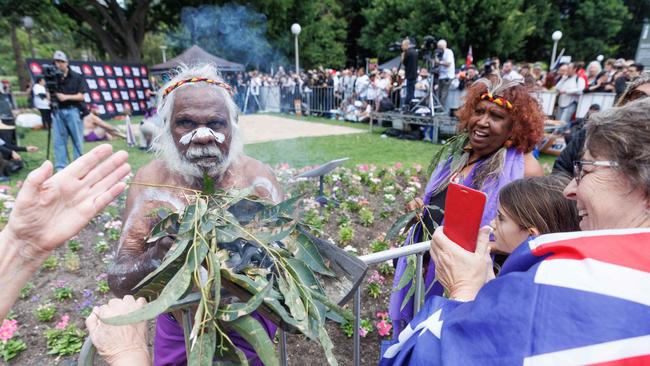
column 563, row 298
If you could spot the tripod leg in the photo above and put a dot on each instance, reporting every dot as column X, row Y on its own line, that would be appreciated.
column 49, row 134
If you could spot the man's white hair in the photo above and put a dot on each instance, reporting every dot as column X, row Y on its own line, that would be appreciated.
column 163, row 143
column 442, row 43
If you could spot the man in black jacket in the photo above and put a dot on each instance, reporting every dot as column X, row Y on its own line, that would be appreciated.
column 410, row 61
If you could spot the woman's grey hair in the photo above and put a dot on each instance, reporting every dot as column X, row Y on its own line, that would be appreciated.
column 597, row 64
column 622, row 134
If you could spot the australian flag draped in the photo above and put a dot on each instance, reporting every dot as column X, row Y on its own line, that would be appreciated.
column 561, row 299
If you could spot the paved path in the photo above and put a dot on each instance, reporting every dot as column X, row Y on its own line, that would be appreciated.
column 262, row 128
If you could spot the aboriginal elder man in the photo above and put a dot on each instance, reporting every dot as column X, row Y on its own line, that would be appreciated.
column 199, row 136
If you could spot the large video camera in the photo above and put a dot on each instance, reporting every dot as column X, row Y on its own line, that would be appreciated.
column 432, row 54
column 488, row 67
column 53, row 77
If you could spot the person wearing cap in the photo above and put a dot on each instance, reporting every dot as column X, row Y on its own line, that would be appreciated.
column 67, row 117
column 447, row 71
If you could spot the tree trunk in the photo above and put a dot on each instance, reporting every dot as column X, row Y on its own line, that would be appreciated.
column 21, row 71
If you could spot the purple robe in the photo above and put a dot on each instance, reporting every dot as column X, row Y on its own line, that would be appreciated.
column 513, row 169
column 169, row 343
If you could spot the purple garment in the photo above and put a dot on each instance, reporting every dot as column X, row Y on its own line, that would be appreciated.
column 92, row 137
column 169, row 343
column 513, row 169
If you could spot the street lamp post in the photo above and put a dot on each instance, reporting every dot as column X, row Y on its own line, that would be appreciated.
column 557, row 35
column 297, row 102
column 163, row 48
column 28, row 23
column 295, row 29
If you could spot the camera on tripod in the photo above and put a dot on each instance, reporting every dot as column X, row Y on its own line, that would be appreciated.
column 53, row 77
column 432, row 54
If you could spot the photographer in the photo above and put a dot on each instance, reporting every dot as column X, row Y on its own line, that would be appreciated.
column 447, row 70
column 67, row 118
column 410, row 61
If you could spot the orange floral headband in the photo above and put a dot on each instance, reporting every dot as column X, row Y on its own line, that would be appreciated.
column 498, row 100
column 175, row 85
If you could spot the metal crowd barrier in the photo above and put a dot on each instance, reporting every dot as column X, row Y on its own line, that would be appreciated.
column 270, row 99
column 605, row 100
column 321, row 100
column 455, row 98
column 88, row 351
column 546, row 99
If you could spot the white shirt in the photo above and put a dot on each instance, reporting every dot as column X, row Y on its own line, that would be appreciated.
column 361, row 86
column 382, row 87
column 513, row 75
column 421, row 87
column 571, row 88
column 39, row 102
column 448, row 72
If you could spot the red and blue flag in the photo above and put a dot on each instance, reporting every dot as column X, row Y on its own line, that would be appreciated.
column 578, row 298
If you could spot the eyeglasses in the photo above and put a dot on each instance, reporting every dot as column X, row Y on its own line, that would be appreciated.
column 578, row 165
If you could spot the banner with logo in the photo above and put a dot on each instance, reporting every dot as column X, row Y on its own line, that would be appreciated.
column 110, row 86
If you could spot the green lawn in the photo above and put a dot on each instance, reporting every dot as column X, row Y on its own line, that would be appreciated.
column 361, row 148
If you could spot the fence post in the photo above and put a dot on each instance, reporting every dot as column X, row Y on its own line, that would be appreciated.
column 417, row 298
column 357, row 324
column 283, row 348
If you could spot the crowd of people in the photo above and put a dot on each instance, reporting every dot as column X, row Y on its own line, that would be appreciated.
column 353, row 93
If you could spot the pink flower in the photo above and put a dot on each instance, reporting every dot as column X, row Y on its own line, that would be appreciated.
column 384, row 327
column 63, row 323
column 284, row 166
column 382, row 315
column 7, row 330
column 363, row 168
column 115, row 224
column 60, row 284
column 363, row 332
column 375, row 277
column 398, row 165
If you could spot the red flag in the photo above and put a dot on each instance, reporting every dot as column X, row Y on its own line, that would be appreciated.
column 470, row 57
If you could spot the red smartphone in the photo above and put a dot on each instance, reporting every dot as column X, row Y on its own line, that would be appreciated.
column 463, row 213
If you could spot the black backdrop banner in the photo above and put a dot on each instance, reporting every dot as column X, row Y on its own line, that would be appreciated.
column 110, row 86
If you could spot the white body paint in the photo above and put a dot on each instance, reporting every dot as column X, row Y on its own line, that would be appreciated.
column 202, row 132
column 150, row 194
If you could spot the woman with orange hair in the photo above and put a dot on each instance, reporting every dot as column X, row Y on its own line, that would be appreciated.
column 500, row 124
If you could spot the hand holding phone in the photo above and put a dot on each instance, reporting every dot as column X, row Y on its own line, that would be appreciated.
column 463, row 214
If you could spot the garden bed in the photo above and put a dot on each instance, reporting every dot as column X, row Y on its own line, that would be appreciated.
column 369, row 201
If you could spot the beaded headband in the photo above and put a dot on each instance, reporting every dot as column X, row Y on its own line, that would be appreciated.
column 495, row 87
column 175, row 85
column 498, row 100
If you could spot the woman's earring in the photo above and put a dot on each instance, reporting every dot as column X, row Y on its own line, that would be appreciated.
column 508, row 143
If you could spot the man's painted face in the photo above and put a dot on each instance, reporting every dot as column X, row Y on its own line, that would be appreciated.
column 200, row 126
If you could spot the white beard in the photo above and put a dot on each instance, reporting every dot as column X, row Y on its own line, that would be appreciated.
column 192, row 170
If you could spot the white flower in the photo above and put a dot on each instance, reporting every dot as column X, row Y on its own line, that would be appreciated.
column 350, row 249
